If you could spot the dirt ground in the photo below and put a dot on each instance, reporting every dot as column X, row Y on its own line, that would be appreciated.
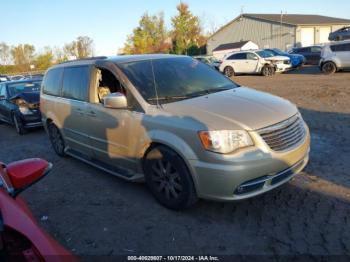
column 93, row 213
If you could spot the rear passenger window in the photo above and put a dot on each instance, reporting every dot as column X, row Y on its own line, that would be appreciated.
column 51, row 84
column 340, row 48
column 239, row 56
column 76, row 82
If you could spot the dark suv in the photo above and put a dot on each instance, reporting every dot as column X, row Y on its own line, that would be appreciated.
column 19, row 104
column 311, row 53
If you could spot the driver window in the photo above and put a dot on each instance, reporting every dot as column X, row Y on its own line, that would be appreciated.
column 107, row 83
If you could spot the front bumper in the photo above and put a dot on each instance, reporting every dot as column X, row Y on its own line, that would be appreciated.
column 283, row 68
column 269, row 169
column 32, row 120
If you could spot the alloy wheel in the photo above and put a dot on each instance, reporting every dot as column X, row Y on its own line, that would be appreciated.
column 167, row 179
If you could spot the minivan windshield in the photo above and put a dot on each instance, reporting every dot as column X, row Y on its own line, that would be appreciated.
column 167, row 80
column 17, row 88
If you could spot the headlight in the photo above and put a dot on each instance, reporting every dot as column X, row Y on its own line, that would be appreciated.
column 225, row 141
column 25, row 110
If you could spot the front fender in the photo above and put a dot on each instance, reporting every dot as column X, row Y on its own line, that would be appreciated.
column 173, row 141
column 178, row 145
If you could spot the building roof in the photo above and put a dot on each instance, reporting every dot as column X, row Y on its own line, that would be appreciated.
column 291, row 19
column 297, row 19
column 230, row 46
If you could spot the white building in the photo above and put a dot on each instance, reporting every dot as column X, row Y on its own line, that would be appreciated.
column 220, row 51
column 276, row 30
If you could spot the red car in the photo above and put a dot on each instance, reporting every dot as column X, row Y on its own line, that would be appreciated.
column 21, row 238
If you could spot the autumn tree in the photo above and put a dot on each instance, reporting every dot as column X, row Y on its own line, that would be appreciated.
column 23, row 56
column 150, row 36
column 186, row 33
column 82, row 47
column 5, row 53
column 45, row 59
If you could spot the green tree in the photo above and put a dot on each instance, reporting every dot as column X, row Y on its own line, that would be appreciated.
column 150, row 36
column 186, row 33
column 23, row 56
column 44, row 60
column 82, row 47
column 5, row 53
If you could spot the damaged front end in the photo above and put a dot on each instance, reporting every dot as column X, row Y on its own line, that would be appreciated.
column 28, row 109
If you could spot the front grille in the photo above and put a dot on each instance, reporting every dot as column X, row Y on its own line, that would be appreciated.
column 284, row 135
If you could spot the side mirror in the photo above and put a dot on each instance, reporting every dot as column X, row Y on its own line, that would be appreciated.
column 115, row 100
column 19, row 175
column 255, row 58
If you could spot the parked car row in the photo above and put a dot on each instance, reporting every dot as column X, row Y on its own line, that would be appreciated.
column 330, row 57
column 5, row 78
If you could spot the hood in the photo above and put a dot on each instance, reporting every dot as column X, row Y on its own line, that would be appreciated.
column 29, row 97
column 277, row 58
column 240, row 108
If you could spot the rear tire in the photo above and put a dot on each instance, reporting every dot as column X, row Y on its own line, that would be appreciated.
column 329, row 68
column 228, row 71
column 168, row 178
column 18, row 124
column 56, row 139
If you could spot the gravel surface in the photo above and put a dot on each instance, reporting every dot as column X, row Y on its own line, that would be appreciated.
column 93, row 213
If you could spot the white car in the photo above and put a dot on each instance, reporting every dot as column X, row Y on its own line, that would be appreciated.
column 254, row 62
column 335, row 56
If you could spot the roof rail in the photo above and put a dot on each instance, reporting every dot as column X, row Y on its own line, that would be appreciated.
column 86, row 59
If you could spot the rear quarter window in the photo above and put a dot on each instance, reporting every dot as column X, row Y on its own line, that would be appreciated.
column 76, row 82
column 51, row 83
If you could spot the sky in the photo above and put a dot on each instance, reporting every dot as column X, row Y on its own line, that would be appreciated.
column 109, row 22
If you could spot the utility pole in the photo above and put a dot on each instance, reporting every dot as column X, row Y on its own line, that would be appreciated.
column 281, row 30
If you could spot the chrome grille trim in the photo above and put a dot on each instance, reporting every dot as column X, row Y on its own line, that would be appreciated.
column 284, row 135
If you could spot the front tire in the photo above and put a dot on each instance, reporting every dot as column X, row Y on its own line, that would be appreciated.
column 17, row 122
column 56, row 139
column 267, row 70
column 329, row 68
column 228, row 71
column 168, row 178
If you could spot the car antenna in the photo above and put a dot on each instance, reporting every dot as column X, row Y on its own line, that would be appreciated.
column 155, row 85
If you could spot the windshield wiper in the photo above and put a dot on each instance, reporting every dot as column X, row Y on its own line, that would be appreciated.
column 208, row 91
column 167, row 98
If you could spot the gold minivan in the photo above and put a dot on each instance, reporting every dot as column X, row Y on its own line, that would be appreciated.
column 176, row 123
